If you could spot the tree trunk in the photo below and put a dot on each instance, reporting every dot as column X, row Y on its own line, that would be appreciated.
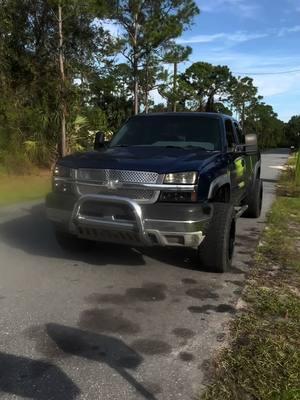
column 174, row 87
column 210, row 104
column 147, row 88
column 243, row 115
column 135, row 68
column 135, row 90
column 62, row 76
column 146, row 102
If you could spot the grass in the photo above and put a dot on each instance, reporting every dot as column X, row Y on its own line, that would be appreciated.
column 297, row 174
column 262, row 360
column 288, row 185
column 15, row 189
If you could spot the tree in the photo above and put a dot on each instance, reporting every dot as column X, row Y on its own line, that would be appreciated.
column 160, row 107
column 292, row 131
column 221, row 108
column 175, row 54
column 262, row 120
column 243, row 96
column 63, row 79
column 60, row 81
column 183, row 95
column 76, row 27
column 110, row 92
column 208, row 82
column 31, row 77
column 149, row 76
column 147, row 26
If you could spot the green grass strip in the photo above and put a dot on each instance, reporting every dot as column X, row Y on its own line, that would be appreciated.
column 15, row 189
column 262, row 360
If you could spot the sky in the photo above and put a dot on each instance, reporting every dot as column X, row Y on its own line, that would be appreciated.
column 256, row 38
column 252, row 37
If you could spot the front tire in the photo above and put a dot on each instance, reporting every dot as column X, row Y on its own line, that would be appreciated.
column 72, row 243
column 216, row 251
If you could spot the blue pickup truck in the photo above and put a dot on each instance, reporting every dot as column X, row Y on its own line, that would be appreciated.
column 165, row 179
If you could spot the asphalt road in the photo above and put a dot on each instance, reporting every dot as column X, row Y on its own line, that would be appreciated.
column 118, row 323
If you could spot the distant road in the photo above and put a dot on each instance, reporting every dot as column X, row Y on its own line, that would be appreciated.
column 118, row 323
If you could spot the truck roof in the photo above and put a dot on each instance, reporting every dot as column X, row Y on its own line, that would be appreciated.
column 186, row 114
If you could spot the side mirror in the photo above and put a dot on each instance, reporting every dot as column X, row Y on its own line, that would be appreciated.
column 251, row 143
column 99, row 142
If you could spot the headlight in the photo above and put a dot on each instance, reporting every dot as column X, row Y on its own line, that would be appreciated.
column 63, row 172
column 61, row 179
column 181, row 178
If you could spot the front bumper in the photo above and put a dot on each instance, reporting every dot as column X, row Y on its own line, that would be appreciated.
column 121, row 220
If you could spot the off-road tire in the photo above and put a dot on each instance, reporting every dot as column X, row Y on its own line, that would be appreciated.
column 215, row 253
column 72, row 243
column 254, row 200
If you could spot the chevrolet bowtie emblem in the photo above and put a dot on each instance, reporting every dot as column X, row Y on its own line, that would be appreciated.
column 112, row 185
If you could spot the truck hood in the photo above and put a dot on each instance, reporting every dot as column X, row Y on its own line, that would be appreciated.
column 155, row 159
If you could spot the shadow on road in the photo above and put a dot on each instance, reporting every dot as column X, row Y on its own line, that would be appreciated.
column 34, row 379
column 33, row 234
column 42, row 380
column 274, row 152
column 269, row 180
column 97, row 347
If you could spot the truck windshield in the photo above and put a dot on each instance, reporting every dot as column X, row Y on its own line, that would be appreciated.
column 170, row 131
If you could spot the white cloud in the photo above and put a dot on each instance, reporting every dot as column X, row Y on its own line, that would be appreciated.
column 293, row 29
column 240, row 7
column 273, row 85
column 236, row 37
column 202, row 38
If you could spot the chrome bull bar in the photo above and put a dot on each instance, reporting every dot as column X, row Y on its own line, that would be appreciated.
column 131, row 230
column 80, row 220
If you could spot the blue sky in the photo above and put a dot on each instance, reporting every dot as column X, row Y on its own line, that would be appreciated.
column 251, row 37
column 254, row 36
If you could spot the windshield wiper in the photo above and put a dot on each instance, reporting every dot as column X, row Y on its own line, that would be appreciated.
column 196, row 147
column 120, row 145
column 173, row 147
column 185, row 147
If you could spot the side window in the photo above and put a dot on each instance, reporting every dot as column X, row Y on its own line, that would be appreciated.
column 231, row 140
column 239, row 133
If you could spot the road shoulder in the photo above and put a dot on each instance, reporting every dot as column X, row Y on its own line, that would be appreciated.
column 262, row 360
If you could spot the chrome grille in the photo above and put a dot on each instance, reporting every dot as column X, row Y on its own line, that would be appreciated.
column 104, row 176
column 135, row 194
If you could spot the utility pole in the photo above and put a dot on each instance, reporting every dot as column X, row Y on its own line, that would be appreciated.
column 63, row 79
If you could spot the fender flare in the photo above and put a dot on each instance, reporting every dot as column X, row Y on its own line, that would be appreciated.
column 256, row 168
column 218, row 182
